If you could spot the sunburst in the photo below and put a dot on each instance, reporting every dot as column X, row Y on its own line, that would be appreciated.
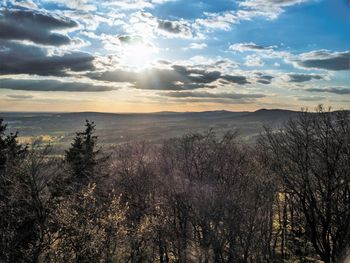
column 139, row 56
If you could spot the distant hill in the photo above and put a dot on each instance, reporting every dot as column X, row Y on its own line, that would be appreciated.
column 113, row 128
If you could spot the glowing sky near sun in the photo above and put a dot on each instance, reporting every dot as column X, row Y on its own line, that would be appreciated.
column 173, row 55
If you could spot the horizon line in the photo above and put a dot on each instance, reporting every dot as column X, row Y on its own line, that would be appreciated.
column 158, row 112
column 150, row 112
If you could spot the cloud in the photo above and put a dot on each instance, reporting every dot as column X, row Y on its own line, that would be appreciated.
column 83, row 5
column 263, row 4
column 130, row 39
column 317, row 59
column 19, row 97
column 175, row 77
column 270, row 9
column 26, row 4
column 324, row 59
column 241, row 80
column 241, row 47
column 34, row 26
column 221, row 21
column 264, row 79
column 266, row 52
column 134, row 4
column 144, row 23
column 196, row 74
column 303, row 77
column 204, row 94
column 196, row 46
column 51, row 85
column 311, row 98
column 335, row 90
column 254, row 61
column 247, row 10
column 224, row 64
column 28, row 59
column 175, row 28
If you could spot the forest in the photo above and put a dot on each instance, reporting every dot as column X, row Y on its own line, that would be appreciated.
column 197, row 198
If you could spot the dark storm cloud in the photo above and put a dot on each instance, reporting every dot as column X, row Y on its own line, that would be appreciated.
column 178, row 77
column 303, row 77
column 335, row 90
column 34, row 26
column 50, row 85
column 326, row 60
column 28, row 59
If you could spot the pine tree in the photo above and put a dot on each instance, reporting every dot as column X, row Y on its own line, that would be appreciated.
column 11, row 155
column 82, row 155
column 10, row 150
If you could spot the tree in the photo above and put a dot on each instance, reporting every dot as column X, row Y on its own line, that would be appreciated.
column 136, row 181
column 216, row 199
column 11, row 154
column 88, row 219
column 10, row 150
column 311, row 156
column 82, row 155
column 25, row 212
column 89, row 231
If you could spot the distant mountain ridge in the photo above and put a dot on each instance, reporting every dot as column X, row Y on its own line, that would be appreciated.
column 7, row 113
column 157, row 126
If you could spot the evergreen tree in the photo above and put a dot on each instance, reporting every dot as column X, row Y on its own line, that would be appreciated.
column 82, row 155
column 9, row 148
column 11, row 155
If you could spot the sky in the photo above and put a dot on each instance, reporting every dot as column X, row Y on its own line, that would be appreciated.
column 173, row 55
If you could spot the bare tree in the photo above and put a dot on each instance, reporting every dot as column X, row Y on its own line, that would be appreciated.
column 29, row 205
column 311, row 155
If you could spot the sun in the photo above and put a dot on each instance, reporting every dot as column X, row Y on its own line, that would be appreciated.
column 139, row 56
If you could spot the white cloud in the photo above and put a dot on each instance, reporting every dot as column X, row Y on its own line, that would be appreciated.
column 145, row 24
column 196, row 46
column 248, row 9
column 254, row 61
column 221, row 21
column 270, row 9
column 265, row 52
column 27, row 4
column 134, row 4
column 84, row 5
